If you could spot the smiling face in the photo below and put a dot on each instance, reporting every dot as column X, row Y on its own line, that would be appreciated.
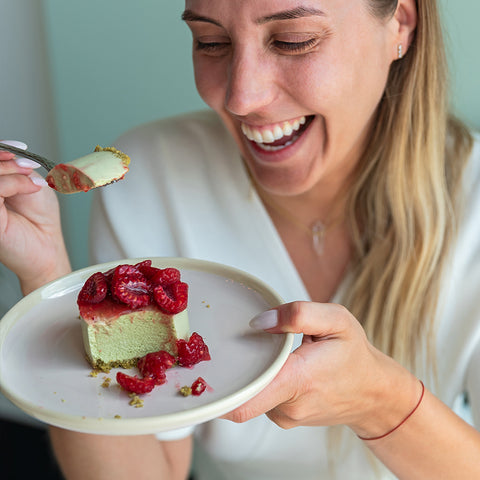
column 296, row 82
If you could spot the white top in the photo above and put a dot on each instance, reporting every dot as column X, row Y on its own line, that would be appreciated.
column 187, row 194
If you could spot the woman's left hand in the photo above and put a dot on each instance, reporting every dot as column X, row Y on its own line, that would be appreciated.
column 335, row 377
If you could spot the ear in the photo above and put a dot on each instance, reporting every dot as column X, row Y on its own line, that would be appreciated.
column 405, row 24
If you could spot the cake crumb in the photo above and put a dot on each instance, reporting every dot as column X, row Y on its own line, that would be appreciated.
column 106, row 382
column 117, row 417
column 186, row 390
column 135, row 401
column 94, row 373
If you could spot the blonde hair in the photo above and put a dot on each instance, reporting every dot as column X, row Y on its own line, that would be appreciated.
column 404, row 202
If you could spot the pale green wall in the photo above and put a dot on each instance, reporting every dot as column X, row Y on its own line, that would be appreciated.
column 463, row 43
column 115, row 64
column 118, row 63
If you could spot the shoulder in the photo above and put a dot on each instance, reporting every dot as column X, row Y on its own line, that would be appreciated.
column 471, row 178
column 183, row 136
column 470, row 197
column 190, row 150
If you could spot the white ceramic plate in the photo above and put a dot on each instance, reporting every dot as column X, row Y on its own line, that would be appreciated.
column 44, row 372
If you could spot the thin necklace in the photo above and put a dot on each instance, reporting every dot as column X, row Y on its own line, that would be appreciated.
column 317, row 230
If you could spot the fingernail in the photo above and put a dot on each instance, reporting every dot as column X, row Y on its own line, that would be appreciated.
column 15, row 143
column 39, row 181
column 265, row 320
column 26, row 163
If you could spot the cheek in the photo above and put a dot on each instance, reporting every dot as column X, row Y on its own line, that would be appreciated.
column 340, row 86
column 209, row 80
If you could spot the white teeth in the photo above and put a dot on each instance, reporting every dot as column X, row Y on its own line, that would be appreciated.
column 257, row 136
column 279, row 131
column 287, row 128
column 271, row 148
column 268, row 137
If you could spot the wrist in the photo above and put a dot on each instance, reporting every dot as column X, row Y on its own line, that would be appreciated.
column 59, row 268
column 390, row 402
column 405, row 419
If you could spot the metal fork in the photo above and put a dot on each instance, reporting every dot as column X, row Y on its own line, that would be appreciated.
column 44, row 162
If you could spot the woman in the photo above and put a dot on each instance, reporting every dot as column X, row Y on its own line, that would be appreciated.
column 332, row 170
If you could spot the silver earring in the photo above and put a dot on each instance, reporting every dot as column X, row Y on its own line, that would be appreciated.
column 399, row 51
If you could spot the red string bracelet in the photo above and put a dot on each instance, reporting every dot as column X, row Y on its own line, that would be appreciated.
column 401, row 423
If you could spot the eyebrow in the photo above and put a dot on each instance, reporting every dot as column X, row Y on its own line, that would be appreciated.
column 190, row 16
column 298, row 12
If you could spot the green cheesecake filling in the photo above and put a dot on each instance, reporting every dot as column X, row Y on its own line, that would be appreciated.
column 102, row 167
column 131, row 336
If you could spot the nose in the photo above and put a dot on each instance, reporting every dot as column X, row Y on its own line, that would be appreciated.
column 251, row 85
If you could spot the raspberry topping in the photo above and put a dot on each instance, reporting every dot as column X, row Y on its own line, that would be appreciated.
column 166, row 276
column 94, row 290
column 153, row 367
column 158, row 276
column 155, row 364
column 138, row 286
column 172, row 298
column 130, row 286
column 134, row 384
column 198, row 386
column 193, row 351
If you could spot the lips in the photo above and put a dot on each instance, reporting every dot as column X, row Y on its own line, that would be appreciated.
column 275, row 137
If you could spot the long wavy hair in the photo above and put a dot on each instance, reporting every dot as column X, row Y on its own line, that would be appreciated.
column 405, row 202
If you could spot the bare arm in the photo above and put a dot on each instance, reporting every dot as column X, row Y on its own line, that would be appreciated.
column 84, row 456
column 338, row 377
column 433, row 443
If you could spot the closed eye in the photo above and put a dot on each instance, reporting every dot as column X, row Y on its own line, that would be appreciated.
column 295, row 47
column 211, row 47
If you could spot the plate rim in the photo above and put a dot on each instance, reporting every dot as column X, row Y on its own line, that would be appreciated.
column 170, row 421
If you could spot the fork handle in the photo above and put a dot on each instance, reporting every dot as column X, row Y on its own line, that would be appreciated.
column 44, row 162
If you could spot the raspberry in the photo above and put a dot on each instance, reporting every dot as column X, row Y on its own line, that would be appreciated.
column 94, row 290
column 154, row 365
column 172, row 298
column 164, row 358
column 193, row 351
column 196, row 389
column 158, row 276
column 130, row 286
column 144, row 264
column 198, row 386
column 150, row 368
column 166, row 277
column 134, row 384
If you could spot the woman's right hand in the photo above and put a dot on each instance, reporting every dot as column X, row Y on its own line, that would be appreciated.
column 31, row 240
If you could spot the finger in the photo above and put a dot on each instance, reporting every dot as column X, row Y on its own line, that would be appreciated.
column 11, row 185
column 11, row 164
column 19, row 160
column 282, row 389
column 308, row 318
column 4, row 155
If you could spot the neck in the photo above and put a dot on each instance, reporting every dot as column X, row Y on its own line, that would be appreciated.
column 319, row 204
